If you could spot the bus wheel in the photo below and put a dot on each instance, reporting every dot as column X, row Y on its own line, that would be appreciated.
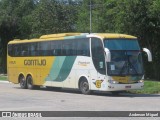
column 22, row 82
column 30, row 82
column 84, row 87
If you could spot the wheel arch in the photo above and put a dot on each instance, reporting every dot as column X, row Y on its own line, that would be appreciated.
column 81, row 78
column 19, row 76
column 29, row 74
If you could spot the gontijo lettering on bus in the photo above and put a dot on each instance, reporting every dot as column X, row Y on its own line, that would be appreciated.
column 35, row 62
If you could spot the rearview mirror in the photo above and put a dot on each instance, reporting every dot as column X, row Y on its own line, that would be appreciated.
column 148, row 54
column 108, row 55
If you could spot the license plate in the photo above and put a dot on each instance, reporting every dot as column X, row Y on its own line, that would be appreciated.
column 128, row 86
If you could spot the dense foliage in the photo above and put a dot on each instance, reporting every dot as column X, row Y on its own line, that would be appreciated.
column 32, row 18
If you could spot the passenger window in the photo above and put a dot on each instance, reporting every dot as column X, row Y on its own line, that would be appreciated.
column 10, row 50
column 66, row 51
column 45, row 48
column 83, row 47
column 33, row 49
column 24, row 49
column 55, row 48
column 17, row 50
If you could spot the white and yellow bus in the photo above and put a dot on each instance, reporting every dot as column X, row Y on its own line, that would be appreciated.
column 89, row 62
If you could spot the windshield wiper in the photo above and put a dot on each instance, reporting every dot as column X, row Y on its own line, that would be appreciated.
column 132, row 66
column 120, row 73
column 129, row 65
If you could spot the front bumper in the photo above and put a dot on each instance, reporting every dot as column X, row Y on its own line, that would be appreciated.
column 118, row 87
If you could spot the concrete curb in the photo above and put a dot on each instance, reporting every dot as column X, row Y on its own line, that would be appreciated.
column 2, row 81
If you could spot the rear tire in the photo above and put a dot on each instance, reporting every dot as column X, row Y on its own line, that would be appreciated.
column 84, row 87
column 22, row 82
column 30, row 82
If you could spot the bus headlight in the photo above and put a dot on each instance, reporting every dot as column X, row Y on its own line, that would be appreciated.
column 141, row 81
column 113, row 82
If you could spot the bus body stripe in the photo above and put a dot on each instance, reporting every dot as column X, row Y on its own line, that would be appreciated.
column 66, row 68
column 61, row 68
column 55, row 69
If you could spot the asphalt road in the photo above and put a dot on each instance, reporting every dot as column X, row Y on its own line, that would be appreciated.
column 13, row 98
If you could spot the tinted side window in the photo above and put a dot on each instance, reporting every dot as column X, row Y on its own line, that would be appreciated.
column 73, row 48
column 83, row 47
column 10, row 50
column 14, row 50
column 69, row 48
column 17, row 50
column 24, row 49
column 98, row 55
column 55, row 48
column 66, row 49
column 44, row 48
column 33, row 49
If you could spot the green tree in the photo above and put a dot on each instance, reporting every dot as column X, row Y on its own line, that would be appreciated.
column 103, row 16
column 52, row 17
column 12, row 13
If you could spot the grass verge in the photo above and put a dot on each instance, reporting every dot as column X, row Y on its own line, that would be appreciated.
column 150, row 87
column 3, row 78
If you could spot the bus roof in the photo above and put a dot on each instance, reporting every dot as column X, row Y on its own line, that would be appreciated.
column 114, row 35
column 62, row 35
column 103, row 35
column 59, row 35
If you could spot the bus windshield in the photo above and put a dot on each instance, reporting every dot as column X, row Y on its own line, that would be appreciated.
column 126, row 58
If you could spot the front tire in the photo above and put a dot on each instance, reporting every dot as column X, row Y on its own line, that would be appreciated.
column 84, row 87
